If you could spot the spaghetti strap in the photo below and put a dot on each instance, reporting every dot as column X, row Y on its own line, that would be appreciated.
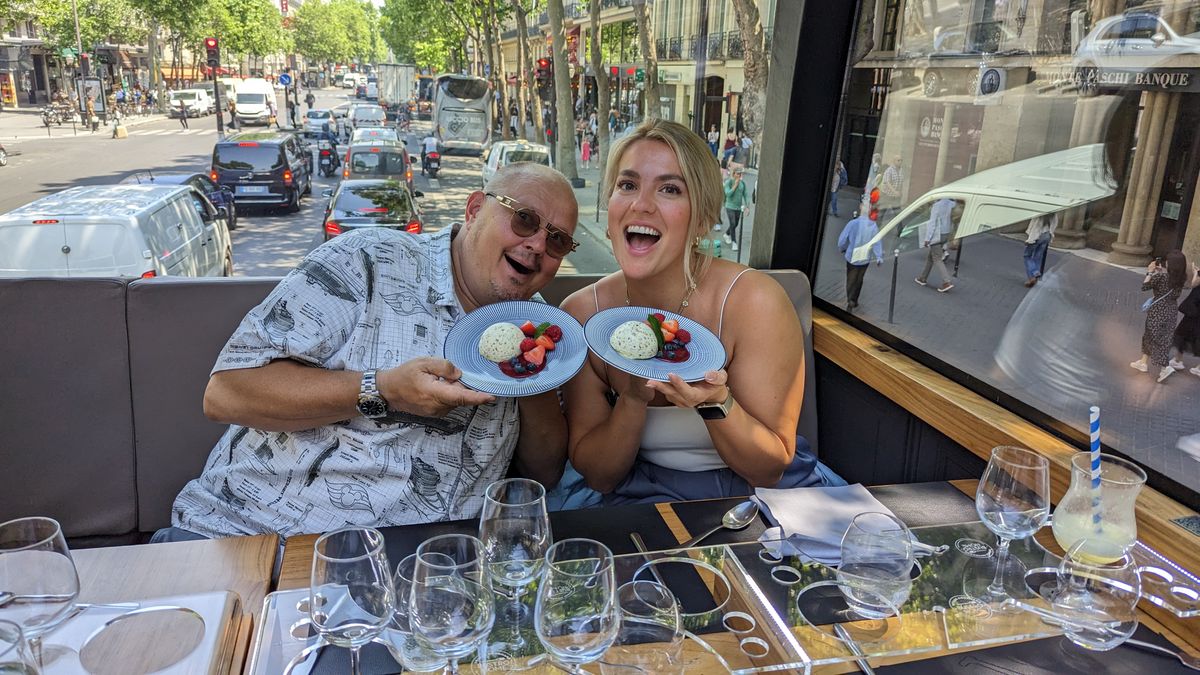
column 721, row 321
column 595, row 297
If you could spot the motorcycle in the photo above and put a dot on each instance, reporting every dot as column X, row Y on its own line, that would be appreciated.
column 327, row 160
column 433, row 162
column 51, row 114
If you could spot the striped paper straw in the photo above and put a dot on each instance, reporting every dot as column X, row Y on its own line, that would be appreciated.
column 1095, row 452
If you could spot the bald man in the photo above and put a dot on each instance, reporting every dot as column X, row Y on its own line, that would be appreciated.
column 342, row 410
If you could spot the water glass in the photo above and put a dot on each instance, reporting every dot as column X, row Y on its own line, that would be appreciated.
column 1013, row 501
column 410, row 652
column 650, row 639
column 15, row 655
column 515, row 530
column 353, row 598
column 577, row 617
column 450, row 602
column 1097, row 602
column 38, row 581
column 877, row 563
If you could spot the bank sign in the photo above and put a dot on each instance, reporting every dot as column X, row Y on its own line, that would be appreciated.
column 1144, row 79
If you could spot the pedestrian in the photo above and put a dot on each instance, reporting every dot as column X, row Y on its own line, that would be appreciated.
column 272, row 113
column 855, row 244
column 233, row 120
column 934, row 236
column 714, row 138
column 1037, row 238
column 291, row 109
column 1165, row 281
column 595, row 147
column 183, row 120
column 891, row 186
column 735, row 205
column 310, row 99
column 612, row 120
column 585, row 152
column 840, row 178
column 872, row 175
column 731, row 145
column 90, row 110
column 1186, row 339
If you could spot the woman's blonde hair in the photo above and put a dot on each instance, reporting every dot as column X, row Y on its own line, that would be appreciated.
column 701, row 173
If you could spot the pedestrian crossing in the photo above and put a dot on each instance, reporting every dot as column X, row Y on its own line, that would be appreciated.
column 173, row 132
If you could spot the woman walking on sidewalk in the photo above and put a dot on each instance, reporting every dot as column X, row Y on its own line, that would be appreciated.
column 1166, row 282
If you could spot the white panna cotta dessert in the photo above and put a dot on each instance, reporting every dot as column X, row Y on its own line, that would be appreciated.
column 500, row 342
column 634, row 340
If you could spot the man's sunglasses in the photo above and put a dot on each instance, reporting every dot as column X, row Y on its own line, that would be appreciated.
column 526, row 222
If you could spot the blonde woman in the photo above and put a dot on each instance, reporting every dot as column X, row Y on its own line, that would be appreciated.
column 634, row 440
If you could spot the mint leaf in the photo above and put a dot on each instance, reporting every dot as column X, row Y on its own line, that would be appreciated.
column 540, row 329
column 657, row 328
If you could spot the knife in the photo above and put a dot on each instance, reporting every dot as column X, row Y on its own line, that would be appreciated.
column 844, row 634
column 640, row 545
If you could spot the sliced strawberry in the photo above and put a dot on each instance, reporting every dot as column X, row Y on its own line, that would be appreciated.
column 554, row 332
column 667, row 335
column 527, row 344
column 536, row 356
column 671, row 325
column 683, row 336
column 545, row 341
column 659, row 316
column 528, row 328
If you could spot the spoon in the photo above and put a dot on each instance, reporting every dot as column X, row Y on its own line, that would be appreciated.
column 734, row 519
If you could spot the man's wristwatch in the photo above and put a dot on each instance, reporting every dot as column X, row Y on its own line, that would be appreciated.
column 370, row 403
column 716, row 411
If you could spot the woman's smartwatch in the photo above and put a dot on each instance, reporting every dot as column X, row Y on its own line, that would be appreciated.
column 716, row 411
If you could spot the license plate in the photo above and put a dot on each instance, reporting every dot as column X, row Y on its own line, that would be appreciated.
column 251, row 189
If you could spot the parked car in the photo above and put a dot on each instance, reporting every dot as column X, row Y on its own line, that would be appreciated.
column 367, row 115
column 372, row 203
column 374, row 135
column 1133, row 40
column 116, row 231
column 268, row 168
column 196, row 102
column 221, row 196
column 379, row 159
column 315, row 118
column 503, row 153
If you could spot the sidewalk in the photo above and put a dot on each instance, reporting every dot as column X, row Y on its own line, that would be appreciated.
column 26, row 125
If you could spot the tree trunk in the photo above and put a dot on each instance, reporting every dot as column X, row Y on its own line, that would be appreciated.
column 536, row 108
column 564, row 131
column 494, row 75
column 522, row 69
column 755, row 66
column 506, row 102
column 603, row 95
column 645, row 24
column 156, row 80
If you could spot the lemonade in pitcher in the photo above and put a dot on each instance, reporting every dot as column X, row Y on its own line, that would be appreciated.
column 1116, row 532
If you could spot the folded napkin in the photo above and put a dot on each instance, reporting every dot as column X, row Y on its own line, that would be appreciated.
column 810, row 521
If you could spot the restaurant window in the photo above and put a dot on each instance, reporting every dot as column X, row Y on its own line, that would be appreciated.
column 1073, row 127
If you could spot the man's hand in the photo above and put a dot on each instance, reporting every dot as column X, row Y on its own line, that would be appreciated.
column 428, row 387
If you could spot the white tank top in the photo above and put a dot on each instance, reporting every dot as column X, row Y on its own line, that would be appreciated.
column 677, row 438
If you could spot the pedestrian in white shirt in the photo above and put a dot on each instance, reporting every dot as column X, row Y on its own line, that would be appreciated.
column 934, row 236
column 1037, row 239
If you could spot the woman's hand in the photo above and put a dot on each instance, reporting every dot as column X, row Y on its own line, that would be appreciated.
column 637, row 390
column 711, row 389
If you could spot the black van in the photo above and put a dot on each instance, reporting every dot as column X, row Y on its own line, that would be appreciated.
column 271, row 168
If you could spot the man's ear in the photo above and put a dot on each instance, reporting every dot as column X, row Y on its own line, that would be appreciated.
column 474, row 204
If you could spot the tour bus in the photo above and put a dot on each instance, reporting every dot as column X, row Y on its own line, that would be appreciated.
column 462, row 112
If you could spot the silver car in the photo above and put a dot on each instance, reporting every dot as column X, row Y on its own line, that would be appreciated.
column 317, row 117
column 1135, row 40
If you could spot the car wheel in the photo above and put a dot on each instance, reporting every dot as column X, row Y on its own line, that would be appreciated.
column 233, row 224
column 308, row 186
column 227, row 270
column 931, row 84
column 3, row 158
column 294, row 204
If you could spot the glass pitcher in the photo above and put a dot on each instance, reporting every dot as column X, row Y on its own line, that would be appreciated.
column 1116, row 533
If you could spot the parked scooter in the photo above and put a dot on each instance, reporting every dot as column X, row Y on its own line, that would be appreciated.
column 433, row 162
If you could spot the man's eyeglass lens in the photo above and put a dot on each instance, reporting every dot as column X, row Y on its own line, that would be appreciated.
column 526, row 223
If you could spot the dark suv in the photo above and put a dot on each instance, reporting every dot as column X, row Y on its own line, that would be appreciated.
column 271, row 168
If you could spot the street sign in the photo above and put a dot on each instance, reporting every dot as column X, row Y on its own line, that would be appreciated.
column 641, row 75
column 285, row 79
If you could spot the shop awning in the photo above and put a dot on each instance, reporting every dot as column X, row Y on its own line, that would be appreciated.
column 185, row 73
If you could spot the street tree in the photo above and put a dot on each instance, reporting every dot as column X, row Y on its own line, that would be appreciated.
column 755, row 67
column 258, row 30
column 423, row 32
column 564, row 132
column 603, row 102
column 645, row 24
column 100, row 22
column 524, row 90
column 531, row 54
column 317, row 34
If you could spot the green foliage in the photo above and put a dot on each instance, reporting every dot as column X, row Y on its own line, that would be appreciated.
column 425, row 32
column 100, row 21
column 257, row 30
column 339, row 31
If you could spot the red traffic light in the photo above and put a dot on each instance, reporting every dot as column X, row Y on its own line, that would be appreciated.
column 543, row 63
column 210, row 43
column 614, row 71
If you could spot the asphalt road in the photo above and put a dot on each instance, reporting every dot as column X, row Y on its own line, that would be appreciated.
column 267, row 242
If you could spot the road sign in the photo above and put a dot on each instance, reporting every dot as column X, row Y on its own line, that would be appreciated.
column 285, row 79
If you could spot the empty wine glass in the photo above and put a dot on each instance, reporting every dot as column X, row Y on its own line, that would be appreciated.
column 410, row 652
column 1013, row 501
column 1096, row 601
column 877, row 562
column 650, row 639
column 451, row 598
column 577, row 617
column 38, row 581
column 515, row 530
column 351, row 589
column 15, row 657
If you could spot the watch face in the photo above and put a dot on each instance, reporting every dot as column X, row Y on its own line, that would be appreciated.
column 372, row 406
column 711, row 412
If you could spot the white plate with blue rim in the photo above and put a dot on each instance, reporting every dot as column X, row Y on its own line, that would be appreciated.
column 462, row 349
column 705, row 351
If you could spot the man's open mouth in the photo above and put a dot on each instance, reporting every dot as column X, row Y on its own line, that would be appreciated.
column 523, row 270
column 641, row 238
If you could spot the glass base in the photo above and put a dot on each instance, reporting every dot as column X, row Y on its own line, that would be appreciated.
column 979, row 576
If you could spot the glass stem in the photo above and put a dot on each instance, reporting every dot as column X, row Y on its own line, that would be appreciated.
column 355, row 664
column 996, row 588
column 451, row 667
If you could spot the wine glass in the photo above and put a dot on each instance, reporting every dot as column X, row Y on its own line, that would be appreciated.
column 515, row 531
column 15, row 658
column 877, row 562
column 577, row 616
column 1097, row 602
column 650, row 639
column 451, row 597
column 410, row 652
column 1013, row 501
column 38, row 581
column 351, row 589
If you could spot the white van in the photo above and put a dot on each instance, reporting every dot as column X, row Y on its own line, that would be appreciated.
column 196, row 102
column 116, row 231
column 252, row 97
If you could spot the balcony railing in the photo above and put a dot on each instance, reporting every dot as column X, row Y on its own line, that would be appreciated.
column 720, row 46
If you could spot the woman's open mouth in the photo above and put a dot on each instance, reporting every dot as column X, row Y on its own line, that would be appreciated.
column 641, row 238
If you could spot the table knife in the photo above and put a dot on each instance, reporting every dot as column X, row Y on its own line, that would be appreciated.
column 844, row 634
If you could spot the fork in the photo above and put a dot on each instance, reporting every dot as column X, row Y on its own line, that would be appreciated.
column 1186, row 659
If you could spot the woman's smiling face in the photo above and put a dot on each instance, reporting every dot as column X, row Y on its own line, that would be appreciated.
column 649, row 211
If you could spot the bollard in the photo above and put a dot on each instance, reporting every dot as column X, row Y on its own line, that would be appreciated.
column 895, row 274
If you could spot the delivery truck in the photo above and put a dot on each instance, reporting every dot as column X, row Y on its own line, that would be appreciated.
column 396, row 83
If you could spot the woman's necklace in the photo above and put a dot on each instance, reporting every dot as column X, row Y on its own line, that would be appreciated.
column 682, row 305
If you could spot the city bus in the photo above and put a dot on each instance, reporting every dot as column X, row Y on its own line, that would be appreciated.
column 462, row 112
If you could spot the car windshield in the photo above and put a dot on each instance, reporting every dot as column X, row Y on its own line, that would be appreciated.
column 247, row 157
column 384, row 200
column 318, row 114
column 184, row 96
column 382, row 163
column 251, row 98
column 535, row 156
column 467, row 89
column 374, row 114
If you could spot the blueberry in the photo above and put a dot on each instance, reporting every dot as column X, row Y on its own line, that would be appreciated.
column 515, row 361
column 533, row 367
column 519, row 369
column 677, row 343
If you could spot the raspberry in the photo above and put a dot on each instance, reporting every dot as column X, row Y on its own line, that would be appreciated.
column 554, row 333
column 659, row 316
column 527, row 344
column 683, row 336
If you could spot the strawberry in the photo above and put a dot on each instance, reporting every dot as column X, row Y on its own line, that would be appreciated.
column 659, row 316
column 667, row 335
column 554, row 332
column 528, row 328
column 527, row 344
column 670, row 325
column 545, row 341
column 536, row 356
column 683, row 336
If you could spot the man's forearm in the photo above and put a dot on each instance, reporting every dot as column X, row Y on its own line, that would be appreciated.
column 282, row 396
column 542, row 445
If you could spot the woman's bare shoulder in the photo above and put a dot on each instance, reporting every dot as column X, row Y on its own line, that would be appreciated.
column 582, row 303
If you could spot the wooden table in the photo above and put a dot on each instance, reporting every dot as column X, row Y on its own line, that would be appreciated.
column 131, row 573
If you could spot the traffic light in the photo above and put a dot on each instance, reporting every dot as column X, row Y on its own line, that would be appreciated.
column 545, row 77
column 213, row 52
